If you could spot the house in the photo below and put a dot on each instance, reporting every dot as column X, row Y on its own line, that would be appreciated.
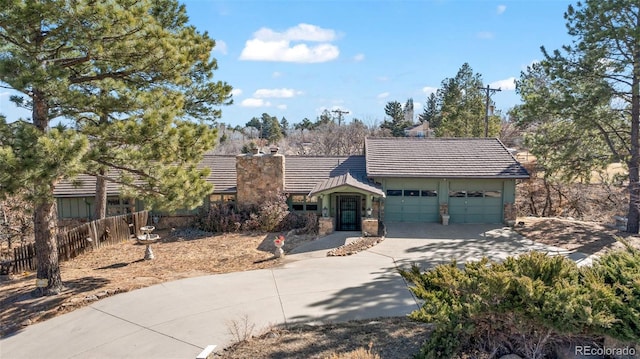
column 397, row 180
column 419, row 130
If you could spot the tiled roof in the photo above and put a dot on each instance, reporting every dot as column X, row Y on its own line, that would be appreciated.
column 303, row 173
column 222, row 175
column 223, row 172
column 441, row 158
column 345, row 180
column 83, row 186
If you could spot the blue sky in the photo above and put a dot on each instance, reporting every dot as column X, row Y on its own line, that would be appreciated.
column 297, row 58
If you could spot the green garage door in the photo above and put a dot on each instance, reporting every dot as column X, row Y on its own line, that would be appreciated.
column 411, row 206
column 475, row 206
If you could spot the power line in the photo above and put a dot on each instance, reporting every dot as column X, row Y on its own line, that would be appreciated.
column 340, row 113
column 489, row 92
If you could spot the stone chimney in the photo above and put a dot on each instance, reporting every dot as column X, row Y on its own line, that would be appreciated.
column 258, row 175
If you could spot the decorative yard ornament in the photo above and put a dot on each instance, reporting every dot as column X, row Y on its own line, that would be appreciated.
column 279, row 242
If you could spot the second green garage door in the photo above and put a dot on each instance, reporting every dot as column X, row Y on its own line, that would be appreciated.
column 411, row 205
column 470, row 203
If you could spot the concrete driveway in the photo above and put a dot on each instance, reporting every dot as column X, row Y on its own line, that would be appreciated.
column 178, row 319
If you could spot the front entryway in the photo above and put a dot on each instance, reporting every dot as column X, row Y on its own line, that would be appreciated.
column 348, row 213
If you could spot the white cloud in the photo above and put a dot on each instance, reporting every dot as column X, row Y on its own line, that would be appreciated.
column 358, row 57
column 276, row 74
column 269, row 45
column 501, row 9
column 282, row 107
column 417, row 106
column 221, row 47
column 277, row 93
column 383, row 78
column 301, row 32
column 236, row 92
column 428, row 90
column 485, row 35
column 6, row 93
column 255, row 102
column 505, row 85
column 383, row 95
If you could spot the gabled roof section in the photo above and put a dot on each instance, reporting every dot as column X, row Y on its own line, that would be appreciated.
column 303, row 173
column 441, row 158
column 345, row 180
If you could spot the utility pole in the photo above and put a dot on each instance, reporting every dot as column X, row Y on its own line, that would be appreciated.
column 489, row 92
column 340, row 113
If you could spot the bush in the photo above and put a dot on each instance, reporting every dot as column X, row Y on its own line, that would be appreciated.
column 221, row 217
column 525, row 305
column 303, row 223
column 614, row 281
column 270, row 215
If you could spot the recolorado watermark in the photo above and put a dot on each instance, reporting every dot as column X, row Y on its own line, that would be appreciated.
column 602, row 351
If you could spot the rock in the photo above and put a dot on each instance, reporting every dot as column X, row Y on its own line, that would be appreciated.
column 272, row 335
column 90, row 298
column 511, row 356
column 26, row 322
column 102, row 294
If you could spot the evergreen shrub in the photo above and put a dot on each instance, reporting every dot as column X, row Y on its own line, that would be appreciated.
column 527, row 305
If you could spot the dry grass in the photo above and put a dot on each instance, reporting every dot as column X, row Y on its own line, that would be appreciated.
column 390, row 338
column 580, row 236
column 121, row 268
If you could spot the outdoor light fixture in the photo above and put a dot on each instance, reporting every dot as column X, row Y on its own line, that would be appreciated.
column 325, row 212
column 369, row 212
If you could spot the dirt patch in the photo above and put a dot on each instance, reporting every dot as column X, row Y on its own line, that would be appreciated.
column 120, row 268
column 392, row 338
column 580, row 236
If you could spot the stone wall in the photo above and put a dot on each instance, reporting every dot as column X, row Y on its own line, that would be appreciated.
column 369, row 227
column 259, row 175
column 510, row 213
column 326, row 225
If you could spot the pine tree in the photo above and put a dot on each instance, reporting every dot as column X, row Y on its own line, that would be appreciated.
column 461, row 107
column 396, row 123
column 129, row 75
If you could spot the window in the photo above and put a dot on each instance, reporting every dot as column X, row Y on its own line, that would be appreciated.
column 457, row 194
column 303, row 203
column 429, row 193
column 493, row 194
column 411, row 193
column 394, row 192
column 222, row 198
column 475, row 194
column 117, row 206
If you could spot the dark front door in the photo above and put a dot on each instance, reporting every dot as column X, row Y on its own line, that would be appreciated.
column 348, row 213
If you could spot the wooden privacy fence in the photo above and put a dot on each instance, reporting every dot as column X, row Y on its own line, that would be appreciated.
column 88, row 236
